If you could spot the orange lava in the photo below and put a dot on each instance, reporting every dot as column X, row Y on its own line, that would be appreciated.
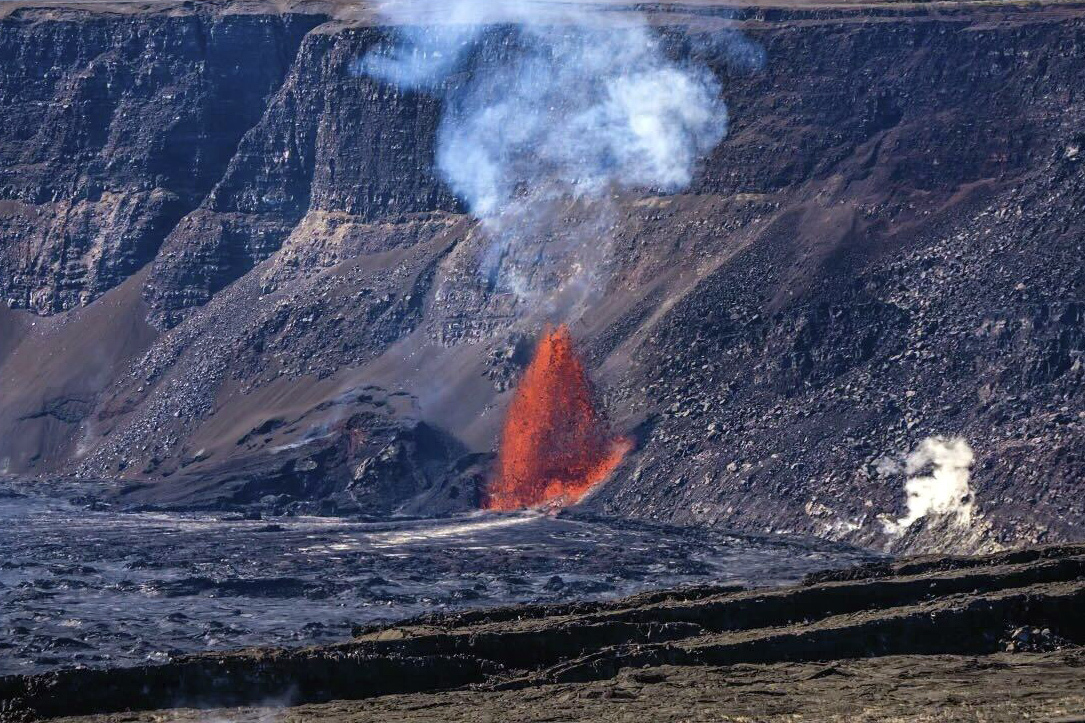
column 554, row 447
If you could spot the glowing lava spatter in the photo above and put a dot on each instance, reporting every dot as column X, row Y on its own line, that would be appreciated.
column 554, row 447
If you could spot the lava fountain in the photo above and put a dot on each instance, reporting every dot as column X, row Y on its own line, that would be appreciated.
column 554, row 446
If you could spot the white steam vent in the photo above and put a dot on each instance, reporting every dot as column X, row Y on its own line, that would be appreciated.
column 943, row 490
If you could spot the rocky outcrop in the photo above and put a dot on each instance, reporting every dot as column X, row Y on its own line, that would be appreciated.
column 883, row 250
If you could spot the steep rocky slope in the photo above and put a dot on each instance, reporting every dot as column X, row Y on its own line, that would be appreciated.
column 233, row 277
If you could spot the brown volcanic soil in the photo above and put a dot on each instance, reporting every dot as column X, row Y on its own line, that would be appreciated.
column 996, row 688
column 263, row 307
column 994, row 638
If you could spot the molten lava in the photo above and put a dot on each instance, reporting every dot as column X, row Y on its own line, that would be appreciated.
column 554, row 447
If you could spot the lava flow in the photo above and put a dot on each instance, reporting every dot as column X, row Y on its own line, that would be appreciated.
column 554, row 446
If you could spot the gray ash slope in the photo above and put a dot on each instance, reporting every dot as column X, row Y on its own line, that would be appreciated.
column 885, row 247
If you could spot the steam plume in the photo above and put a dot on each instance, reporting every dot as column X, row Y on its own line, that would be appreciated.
column 945, row 491
column 560, row 109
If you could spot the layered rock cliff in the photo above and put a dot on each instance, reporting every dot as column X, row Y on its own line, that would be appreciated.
column 232, row 275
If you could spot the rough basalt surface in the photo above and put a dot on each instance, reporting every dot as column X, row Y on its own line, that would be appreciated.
column 1026, row 601
column 231, row 273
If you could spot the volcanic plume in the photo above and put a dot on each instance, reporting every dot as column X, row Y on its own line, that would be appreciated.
column 554, row 446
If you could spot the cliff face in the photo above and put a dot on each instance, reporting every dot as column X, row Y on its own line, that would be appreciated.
column 115, row 128
column 329, row 144
column 233, row 275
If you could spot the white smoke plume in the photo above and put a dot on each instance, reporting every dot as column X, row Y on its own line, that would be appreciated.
column 550, row 109
column 944, row 490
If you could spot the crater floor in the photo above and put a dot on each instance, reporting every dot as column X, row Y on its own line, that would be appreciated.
column 98, row 588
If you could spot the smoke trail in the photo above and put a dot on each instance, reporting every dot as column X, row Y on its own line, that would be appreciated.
column 945, row 491
column 550, row 110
